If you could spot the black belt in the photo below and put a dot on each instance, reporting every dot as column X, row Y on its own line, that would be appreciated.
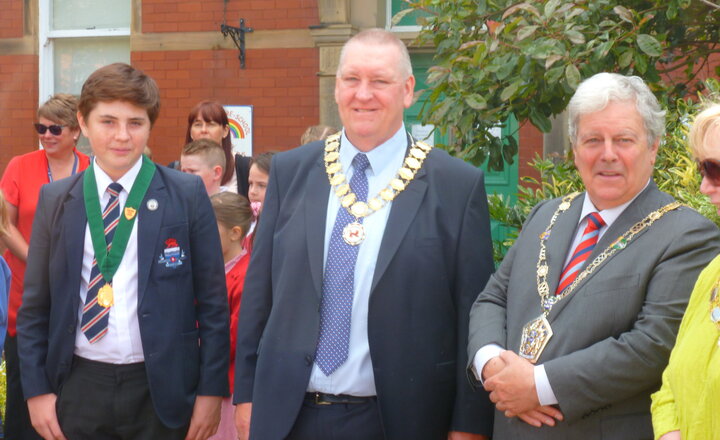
column 329, row 399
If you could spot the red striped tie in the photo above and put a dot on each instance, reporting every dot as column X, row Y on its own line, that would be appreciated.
column 582, row 251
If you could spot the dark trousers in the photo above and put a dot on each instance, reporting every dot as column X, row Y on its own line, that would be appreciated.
column 338, row 421
column 102, row 401
column 17, row 418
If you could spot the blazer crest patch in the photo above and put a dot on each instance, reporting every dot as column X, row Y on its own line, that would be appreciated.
column 172, row 255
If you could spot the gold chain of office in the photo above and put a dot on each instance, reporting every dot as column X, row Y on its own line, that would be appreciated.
column 537, row 332
column 548, row 300
column 354, row 233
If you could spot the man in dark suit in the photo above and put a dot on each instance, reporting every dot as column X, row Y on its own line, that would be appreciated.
column 123, row 329
column 573, row 331
column 357, row 296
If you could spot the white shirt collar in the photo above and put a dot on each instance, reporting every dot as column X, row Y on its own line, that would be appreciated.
column 127, row 180
column 379, row 157
column 608, row 215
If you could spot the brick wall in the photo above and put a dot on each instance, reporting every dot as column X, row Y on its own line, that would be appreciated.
column 197, row 16
column 18, row 104
column 11, row 19
column 280, row 84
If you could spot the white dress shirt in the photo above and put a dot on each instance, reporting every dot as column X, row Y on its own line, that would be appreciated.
column 355, row 376
column 121, row 344
column 545, row 393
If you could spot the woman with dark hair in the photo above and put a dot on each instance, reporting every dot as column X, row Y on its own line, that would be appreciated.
column 58, row 130
column 208, row 119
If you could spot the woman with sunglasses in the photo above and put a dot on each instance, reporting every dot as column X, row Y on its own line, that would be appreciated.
column 688, row 404
column 59, row 131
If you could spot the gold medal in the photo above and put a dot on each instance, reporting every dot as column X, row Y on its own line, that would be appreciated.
column 342, row 190
column 332, row 143
column 348, row 200
column 413, row 163
column 375, row 204
column 354, row 233
column 418, row 153
column 130, row 212
column 333, row 167
column 397, row 184
column 337, row 179
column 424, row 146
column 105, row 296
column 406, row 173
column 387, row 194
column 359, row 209
column 535, row 336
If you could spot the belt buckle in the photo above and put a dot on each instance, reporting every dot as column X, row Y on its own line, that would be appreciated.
column 320, row 402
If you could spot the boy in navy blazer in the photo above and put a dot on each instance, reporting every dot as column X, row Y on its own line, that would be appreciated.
column 124, row 328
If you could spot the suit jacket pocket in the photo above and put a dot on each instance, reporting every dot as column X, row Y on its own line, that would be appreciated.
column 612, row 285
column 428, row 242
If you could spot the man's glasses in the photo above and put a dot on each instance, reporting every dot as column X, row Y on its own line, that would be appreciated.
column 55, row 130
column 710, row 169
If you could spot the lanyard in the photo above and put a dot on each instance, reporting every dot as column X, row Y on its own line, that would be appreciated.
column 74, row 169
column 108, row 260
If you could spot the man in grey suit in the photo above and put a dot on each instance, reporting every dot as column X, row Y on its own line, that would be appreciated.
column 571, row 334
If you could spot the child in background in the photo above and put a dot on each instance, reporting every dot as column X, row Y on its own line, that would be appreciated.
column 257, row 184
column 4, row 283
column 233, row 215
column 204, row 158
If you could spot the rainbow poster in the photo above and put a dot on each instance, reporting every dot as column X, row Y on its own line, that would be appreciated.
column 240, row 119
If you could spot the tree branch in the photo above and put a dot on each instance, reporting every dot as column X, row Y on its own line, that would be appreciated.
column 711, row 4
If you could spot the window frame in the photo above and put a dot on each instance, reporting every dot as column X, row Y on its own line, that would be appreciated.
column 46, row 45
column 388, row 22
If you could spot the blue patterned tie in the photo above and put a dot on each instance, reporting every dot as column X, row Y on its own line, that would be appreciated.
column 338, row 283
column 94, row 323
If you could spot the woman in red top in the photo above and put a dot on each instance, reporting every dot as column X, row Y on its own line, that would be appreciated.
column 233, row 216
column 58, row 130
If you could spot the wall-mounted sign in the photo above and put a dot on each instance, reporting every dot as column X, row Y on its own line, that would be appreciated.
column 240, row 119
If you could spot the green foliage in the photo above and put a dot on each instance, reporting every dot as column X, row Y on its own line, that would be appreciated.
column 675, row 172
column 497, row 58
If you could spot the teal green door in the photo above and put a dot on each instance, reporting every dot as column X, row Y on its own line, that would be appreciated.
column 496, row 182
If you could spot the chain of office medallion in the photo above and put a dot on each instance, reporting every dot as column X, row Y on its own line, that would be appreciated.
column 547, row 301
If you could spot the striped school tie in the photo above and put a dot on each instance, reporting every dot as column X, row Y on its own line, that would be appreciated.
column 94, row 323
column 582, row 251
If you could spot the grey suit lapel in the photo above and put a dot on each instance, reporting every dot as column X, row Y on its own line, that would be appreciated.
column 316, row 203
column 648, row 200
column 74, row 220
column 148, row 231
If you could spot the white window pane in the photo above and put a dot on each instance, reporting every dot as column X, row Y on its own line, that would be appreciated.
column 76, row 58
column 90, row 14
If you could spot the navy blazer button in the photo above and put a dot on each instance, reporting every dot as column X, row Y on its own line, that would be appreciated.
column 70, row 328
column 309, row 359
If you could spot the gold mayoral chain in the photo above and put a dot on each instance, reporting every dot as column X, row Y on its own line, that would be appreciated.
column 715, row 306
column 537, row 333
column 354, row 233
